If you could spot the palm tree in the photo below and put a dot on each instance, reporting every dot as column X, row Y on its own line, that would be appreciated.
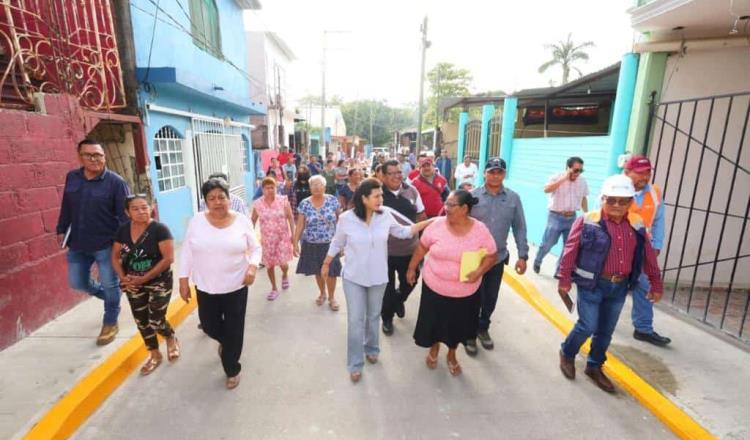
column 565, row 53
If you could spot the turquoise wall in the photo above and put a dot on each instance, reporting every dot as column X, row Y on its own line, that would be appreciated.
column 174, row 48
column 534, row 160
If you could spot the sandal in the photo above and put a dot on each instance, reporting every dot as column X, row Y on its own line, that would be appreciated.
column 321, row 299
column 232, row 382
column 333, row 305
column 285, row 283
column 173, row 349
column 454, row 368
column 431, row 361
column 151, row 364
column 356, row 376
column 272, row 295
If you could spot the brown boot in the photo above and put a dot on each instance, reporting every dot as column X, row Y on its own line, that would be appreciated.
column 597, row 375
column 107, row 334
column 567, row 366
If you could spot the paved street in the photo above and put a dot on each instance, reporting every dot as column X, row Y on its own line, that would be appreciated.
column 295, row 385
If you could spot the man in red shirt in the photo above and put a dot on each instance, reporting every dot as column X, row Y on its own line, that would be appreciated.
column 284, row 156
column 432, row 187
column 605, row 254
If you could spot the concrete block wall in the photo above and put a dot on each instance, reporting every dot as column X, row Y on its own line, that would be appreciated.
column 36, row 152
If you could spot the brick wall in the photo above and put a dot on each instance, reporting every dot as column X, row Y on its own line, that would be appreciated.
column 36, row 152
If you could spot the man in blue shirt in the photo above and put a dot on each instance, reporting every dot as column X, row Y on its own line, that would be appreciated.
column 443, row 165
column 648, row 204
column 93, row 208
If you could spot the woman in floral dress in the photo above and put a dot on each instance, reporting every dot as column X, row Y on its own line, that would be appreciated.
column 276, row 232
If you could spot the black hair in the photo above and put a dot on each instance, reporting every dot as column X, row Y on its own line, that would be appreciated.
column 219, row 176
column 465, row 198
column 352, row 170
column 573, row 160
column 341, row 162
column 87, row 141
column 329, row 161
column 130, row 197
column 364, row 190
column 390, row 163
column 212, row 184
column 303, row 171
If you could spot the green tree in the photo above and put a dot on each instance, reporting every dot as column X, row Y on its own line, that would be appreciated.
column 445, row 80
column 566, row 53
column 386, row 120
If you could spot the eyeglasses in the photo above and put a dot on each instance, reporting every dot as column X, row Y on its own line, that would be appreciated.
column 622, row 201
column 394, row 173
column 451, row 204
column 92, row 156
column 578, row 170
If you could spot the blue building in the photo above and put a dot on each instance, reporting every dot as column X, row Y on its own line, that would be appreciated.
column 536, row 130
column 195, row 95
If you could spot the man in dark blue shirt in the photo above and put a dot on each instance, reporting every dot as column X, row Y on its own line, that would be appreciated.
column 93, row 208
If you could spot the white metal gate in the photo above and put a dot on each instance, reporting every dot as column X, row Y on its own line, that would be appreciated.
column 218, row 148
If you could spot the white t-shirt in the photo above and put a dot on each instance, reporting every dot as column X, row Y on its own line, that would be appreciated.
column 466, row 174
column 217, row 259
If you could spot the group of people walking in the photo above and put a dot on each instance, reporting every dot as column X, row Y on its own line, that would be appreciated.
column 378, row 234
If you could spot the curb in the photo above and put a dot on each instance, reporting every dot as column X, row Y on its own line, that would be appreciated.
column 679, row 422
column 70, row 412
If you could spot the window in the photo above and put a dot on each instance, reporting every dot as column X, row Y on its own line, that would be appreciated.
column 204, row 17
column 246, row 154
column 170, row 169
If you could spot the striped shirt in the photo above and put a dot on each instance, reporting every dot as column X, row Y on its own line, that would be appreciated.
column 621, row 252
column 568, row 196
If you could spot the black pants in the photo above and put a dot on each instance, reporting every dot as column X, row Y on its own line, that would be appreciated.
column 222, row 317
column 488, row 291
column 394, row 297
column 149, row 305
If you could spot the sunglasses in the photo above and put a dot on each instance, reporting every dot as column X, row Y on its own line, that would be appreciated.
column 92, row 156
column 578, row 171
column 136, row 196
column 612, row 201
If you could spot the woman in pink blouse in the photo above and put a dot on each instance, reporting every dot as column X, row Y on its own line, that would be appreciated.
column 448, row 308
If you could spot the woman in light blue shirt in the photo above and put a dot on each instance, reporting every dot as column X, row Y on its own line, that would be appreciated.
column 362, row 234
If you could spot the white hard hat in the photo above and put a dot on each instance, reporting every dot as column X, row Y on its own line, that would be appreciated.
column 618, row 185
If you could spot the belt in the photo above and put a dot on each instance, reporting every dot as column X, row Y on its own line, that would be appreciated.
column 565, row 213
column 616, row 279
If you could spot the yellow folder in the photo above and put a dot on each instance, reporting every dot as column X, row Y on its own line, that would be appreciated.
column 470, row 261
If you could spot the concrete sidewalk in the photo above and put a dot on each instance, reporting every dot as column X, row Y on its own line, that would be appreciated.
column 705, row 375
column 295, row 385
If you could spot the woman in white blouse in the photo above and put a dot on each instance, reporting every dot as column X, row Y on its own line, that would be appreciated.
column 362, row 234
column 220, row 254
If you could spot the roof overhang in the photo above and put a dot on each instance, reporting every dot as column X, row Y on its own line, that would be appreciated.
column 249, row 4
column 688, row 19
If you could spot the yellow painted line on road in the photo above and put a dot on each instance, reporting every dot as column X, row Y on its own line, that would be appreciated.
column 664, row 409
column 70, row 412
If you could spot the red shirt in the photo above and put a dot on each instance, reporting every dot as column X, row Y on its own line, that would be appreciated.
column 413, row 174
column 431, row 193
column 621, row 252
column 284, row 158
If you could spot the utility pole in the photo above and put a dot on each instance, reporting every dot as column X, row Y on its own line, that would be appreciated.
column 425, row 45
column 322, row 150
column 372, row 142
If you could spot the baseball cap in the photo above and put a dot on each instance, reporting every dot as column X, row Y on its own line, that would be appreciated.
column 638, row 164
column 495, row 163
column 425, row 160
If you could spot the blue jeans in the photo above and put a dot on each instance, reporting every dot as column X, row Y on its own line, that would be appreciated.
column 106, row 289
column 557, row 225
column 363, row 305
column 642, row 313
column 598, row 312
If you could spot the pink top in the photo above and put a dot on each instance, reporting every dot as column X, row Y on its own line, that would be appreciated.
column 442, row 267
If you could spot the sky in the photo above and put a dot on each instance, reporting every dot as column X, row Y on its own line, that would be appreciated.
column 374, row 51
